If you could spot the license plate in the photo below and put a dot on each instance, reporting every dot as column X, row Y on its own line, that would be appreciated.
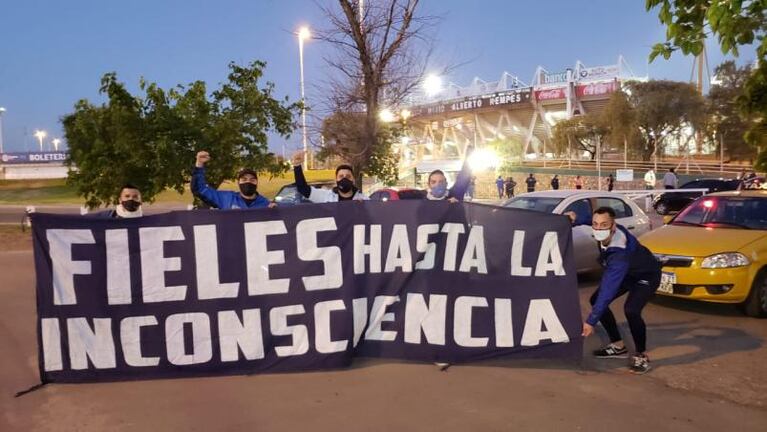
column 667, row 281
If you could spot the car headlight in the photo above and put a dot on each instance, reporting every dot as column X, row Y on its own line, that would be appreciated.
column 725, row 260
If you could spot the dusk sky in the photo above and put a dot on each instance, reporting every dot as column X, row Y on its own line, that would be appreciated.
column 53, row 53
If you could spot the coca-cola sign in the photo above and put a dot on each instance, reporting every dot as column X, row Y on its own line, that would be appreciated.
column 551, row 94
column 596, row 89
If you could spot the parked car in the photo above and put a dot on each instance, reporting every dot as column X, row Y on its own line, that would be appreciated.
column 391, row 194
column 715, row 250
column 666, row 203
column 288, row 194
column 583, row 203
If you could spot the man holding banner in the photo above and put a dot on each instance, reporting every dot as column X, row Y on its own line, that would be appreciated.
column 344, row 190
column 247, row 180
column 631, row 268
column 129, row 205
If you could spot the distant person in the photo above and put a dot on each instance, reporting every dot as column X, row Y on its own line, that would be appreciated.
column 247, row 182
column 531, row 181
column 555, row 182
column 129, row 205
column 510, row 185
column 649, row 179
column 610, row 183
column 631, row 268
column 670, row 180
column 472, row 188
column 578, row 182
column 499, row 185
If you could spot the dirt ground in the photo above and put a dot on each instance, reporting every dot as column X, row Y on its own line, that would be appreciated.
column 710, row 375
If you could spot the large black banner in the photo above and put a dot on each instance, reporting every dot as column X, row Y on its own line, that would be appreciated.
column 199, row 293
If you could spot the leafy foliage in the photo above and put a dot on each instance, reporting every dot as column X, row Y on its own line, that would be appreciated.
column 151, row 140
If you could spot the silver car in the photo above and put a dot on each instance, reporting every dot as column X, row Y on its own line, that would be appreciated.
column 583, row 203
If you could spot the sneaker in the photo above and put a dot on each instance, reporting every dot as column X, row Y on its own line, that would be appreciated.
column 640, row 364
column 442, row 366
column 612, row 351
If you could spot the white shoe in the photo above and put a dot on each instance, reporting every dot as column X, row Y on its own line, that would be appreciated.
column 442, row 366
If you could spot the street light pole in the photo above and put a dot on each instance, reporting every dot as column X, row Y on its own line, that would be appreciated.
column 303, row 33
column 2, row 111
column 40, row 135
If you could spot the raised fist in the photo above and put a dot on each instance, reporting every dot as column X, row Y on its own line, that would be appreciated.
column 202, row 158
column 298, row 158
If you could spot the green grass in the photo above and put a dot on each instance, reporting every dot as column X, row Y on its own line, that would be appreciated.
column 27, row 192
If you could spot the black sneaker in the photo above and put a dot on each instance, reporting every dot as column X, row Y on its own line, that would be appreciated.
column 612, row 351
column 640, row 364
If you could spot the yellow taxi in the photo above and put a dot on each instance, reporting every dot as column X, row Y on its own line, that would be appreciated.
column 715, row 250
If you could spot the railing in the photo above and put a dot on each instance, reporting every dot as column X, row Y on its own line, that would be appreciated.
column 682, row 165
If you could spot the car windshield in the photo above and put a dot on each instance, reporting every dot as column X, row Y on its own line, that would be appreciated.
column 541, row 204
column 726, row 212
column 287, row 193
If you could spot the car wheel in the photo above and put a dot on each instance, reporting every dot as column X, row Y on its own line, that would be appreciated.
column 662, row 208
column 756, row 303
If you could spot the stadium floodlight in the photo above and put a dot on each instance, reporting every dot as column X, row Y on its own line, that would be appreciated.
column 56, row 143
column 432, row 85
column 40, row 135
column 386, row 115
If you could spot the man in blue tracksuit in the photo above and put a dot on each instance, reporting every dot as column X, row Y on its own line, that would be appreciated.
column 629, row 268
column 247, row 179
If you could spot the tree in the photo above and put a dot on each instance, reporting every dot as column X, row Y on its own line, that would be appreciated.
column 150, row 140
column 344, row 131
column 585, row 133
column 734, row 23
column 620, row 120
column 664, row 108
column 728, row 124
column 381, row 52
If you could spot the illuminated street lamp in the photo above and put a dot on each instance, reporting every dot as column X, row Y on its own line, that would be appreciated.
column 56, row 143
column 40, row 135
column 386, row 115
column 303, row 34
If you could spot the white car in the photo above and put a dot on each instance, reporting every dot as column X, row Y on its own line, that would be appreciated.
column 583, row 203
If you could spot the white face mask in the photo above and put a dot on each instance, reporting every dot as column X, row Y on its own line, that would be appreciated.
column 600, row 235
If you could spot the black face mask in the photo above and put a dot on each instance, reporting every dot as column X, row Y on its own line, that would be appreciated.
column 345, row 185
column 248, row 189
column 131, row 205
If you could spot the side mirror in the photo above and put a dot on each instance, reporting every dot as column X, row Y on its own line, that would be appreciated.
column 667, row 219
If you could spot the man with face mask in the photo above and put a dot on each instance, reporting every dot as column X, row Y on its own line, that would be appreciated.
column 344, row 190
column 129, row 205
column 247, row 180
column 629, row 268
column 436, row 183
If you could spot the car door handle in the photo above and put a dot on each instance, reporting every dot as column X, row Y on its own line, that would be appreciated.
column 631, row 227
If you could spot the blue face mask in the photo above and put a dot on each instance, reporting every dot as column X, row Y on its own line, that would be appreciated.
column 439, row 190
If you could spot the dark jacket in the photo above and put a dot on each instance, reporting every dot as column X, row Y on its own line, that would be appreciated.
column 625, row 260
column 223, row 200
